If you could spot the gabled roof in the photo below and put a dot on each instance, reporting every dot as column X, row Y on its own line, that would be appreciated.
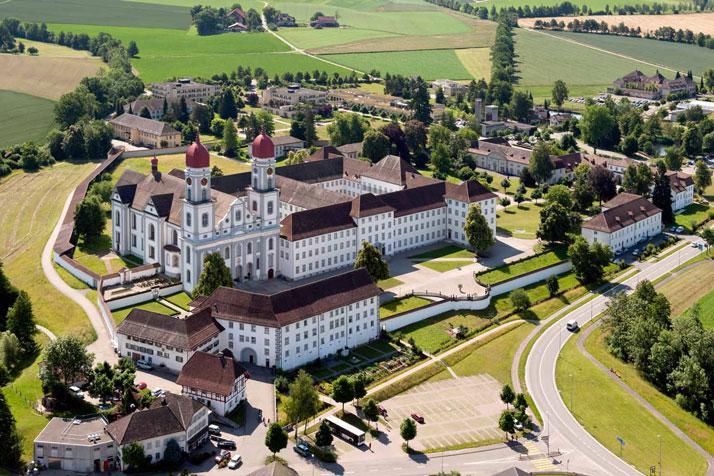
column 211, row 373
column 367, row 205
column 323, row 153
column 317, row 221
column 391, row 169
column 470, row 191
column 679, row 181
column 143, row 124
column 274, row 469
column 286, row 140
column 623, row 215
column 187, row 334
column 621, row 199
column 307, row 195
column 291, row 305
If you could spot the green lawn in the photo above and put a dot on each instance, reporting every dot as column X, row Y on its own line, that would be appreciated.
column 444, row 266
column 120, row 314
column 450, row 251
column 692, row 215
column 401, row 305
column 706, row 307
column 73, row 282
column 389, row 283
column 527, row 265
column 593, row 392
column 176, row 161
column 688, row 423
column 519, row 221
column 689, row 287
column 429, row 64
column 180, row 299
column 432, row 335
column 25, row 118
column 309, row 38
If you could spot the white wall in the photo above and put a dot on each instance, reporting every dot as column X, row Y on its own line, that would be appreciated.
column 398, row 321
column 128, row 154
column 531, row 278
column 135, row 299
column 66, row 263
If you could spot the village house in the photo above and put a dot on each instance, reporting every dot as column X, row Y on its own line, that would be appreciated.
column 216, row 380
column 139, row 130
column 626, row 220
column 351, row 151
column 166, row 341
column 324, row 22
column 284, row 101
column 155, row 106
column 450, row 87
column 75, row 444
column 186, row 88
column 285, row 20
column 682, row 186
column 170, row 417
column 637, row 84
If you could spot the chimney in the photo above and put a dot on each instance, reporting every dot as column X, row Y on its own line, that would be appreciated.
column 223, row 359
column 154, row 165
column 477, row 110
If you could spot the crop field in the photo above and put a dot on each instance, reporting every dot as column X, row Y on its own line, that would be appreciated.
column 98, row 12
column 697, row 22
column 430, row 64
column 661, row 54
column 575, row 64
column 24, row 118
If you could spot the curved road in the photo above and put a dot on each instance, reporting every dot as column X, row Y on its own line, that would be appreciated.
column 563, row 429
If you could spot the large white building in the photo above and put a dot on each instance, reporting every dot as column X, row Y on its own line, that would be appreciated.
column 188, row 89
column 295, row 221
column 682, row 186
column 625, row 221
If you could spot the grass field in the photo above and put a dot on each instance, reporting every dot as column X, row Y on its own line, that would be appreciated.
column 527, row 265
column 24, row 118
column 120, row 314
column 692, row 215
column 476, row 61
column 430, row 64
column 49, row 75
column 396, row 306
column 432, row 335
column 98, row 12
column 592, row 393
column 449, row 251
column 181, row 299
column 444, row 266
column 691, row 425
column 697, row 22
column 689, row 287
column 519, row 221
column 32, row 204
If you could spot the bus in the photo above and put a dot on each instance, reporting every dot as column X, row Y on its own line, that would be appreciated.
column 344, row 430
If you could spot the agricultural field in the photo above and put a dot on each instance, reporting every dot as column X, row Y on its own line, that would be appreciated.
column 24, row 118
column 430, row 64
column 55, row 71
column 697, row 22
column 98, row 12
column 32, row 204
column 595, row 5
column 688, row 287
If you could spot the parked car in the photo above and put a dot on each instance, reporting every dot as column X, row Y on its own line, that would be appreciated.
column 303, row 450
column 222, row 455
column 672, row 229
column 105, row 406
column 214, row 430
column 418, row 418
column 234, row 462
column 572, row 325
column 141, row 386
column 635, row 252
column 382, row 410
column 695, row 244
column 680, row 229
column 226, row 444
column 143, row 365
column 77, row 392
column 157, row 392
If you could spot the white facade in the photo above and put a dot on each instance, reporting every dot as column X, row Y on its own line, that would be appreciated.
column 160, row 355
column 683, row 198
column 621, row 238
column 173, row 91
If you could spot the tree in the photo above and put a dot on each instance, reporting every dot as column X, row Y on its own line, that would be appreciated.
column 702, row 176
column 371, row 412
column 66, row 360
column 397, row 139
column 132, row 50
column 415, row 135
column 276, row 438
column 556, row 223
column 101, row 385
column 21, row 322
column 521, row 104
column 559, row 93
column 507, row 423
column 230, row 139
column 359, row 387
column 227, row 105
column 589, row 261
column 408, row 430
column 419, row 103
column 598, row 127
column 540, row 165
column 375, row 146
column 637, row 179
column 73, row 144
column 507, row 395
column 342, row 390
column 304, row 397
column 370, row 258
column 10, row 350
column 440, row 159
column 74, row 106
column 346, row 129
column 673, row 158
column 477, row 230
column 707, row 235
column 309, row 127
column 583, row 193
column 692, row 141
column 603, row 183
column 145, row 113
column 439, row 96
column 89, row 218
column 97, row 139
column 505, row 183
column 520, row 300
column 662, row 194
column 10, row 439
column 202, row 115
column 8, row 295
column 504, row 202
column 324, row 437
column 215, row 274
column 551, row 282
column 172, row 453
column 134, row 457
column 559, row 194
column 297, row 157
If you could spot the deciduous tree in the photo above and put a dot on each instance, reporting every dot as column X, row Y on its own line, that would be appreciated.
column 342, row 390
column 408, row 431
column 662, row 193
column 702, row 176
column 477, row 230
column 589, row 261
column 89, row 218
column 215, row 274
column 375, row 146
column 276, row 438
column 370, row 258
column 559, row 93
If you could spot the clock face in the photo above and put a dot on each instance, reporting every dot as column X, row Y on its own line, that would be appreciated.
column 204, row 181
column 189, row 181
column 270, row 171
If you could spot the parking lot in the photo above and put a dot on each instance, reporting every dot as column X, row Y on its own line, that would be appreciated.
column 455, row 411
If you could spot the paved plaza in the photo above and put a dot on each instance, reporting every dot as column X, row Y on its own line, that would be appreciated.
column 455, row 411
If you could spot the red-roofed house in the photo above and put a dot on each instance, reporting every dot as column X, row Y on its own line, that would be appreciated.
column 216, row 380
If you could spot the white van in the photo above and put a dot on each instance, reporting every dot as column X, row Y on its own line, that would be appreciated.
column 572, row 325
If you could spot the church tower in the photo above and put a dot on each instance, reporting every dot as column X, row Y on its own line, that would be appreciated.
column 262, row 195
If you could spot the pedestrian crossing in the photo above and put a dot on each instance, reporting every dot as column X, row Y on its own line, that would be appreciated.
column 540, row 461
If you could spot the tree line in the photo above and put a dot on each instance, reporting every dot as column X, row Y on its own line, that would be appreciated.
column 210, row 21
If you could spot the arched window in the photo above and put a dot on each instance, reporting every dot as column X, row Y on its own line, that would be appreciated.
column 204, row 220
column 116, row 216
column 188, row 219
column 204, row 194
column 270, row 244
column 237, row 215
column 249, row 248
column 152, row 232
column 270, row 208
column 174, row 237
column 238, row 250
column 255, row 206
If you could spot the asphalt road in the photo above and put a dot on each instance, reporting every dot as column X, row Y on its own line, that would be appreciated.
column 565, row 433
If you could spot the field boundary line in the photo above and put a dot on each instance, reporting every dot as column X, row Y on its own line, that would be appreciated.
column 603, row 50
